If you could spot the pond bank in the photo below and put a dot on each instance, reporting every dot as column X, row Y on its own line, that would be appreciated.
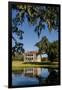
column 17, row 65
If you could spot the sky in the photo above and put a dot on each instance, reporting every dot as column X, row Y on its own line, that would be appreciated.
column 30, row 37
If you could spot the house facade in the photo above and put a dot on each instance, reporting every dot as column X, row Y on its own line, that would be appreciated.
column 31, row 56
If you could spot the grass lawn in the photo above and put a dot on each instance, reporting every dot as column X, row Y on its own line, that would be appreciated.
column 17, row 65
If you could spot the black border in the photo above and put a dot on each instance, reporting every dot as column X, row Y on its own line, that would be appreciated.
column 10, row 42
column 9, row 45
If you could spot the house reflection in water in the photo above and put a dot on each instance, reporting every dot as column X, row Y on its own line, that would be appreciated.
column 32, row 71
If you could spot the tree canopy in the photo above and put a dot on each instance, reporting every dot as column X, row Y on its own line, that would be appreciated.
column 53, row 53
column 50, row 48
column 37, row 15
column 18, row 47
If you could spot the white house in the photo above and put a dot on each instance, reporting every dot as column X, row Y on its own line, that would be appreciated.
column 31, row 56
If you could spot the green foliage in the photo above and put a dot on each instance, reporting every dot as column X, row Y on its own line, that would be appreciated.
column 38, row 15
column 18, row 57
column 50, row 48
column 53, row 51
column 18, row 47
column 43, row 44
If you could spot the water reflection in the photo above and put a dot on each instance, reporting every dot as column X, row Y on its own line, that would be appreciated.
column 32, row 71
column 53, row 78
column 35, row 76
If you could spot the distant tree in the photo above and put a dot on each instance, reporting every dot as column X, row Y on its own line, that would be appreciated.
column 53, row 54
column 50, row 48
column 43, row 45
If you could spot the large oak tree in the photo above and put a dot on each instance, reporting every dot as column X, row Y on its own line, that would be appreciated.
column 37, row 15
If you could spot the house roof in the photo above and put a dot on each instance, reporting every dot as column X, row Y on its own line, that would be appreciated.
column 31, row 52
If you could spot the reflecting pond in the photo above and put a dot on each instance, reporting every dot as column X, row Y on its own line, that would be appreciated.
column 35, row 76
